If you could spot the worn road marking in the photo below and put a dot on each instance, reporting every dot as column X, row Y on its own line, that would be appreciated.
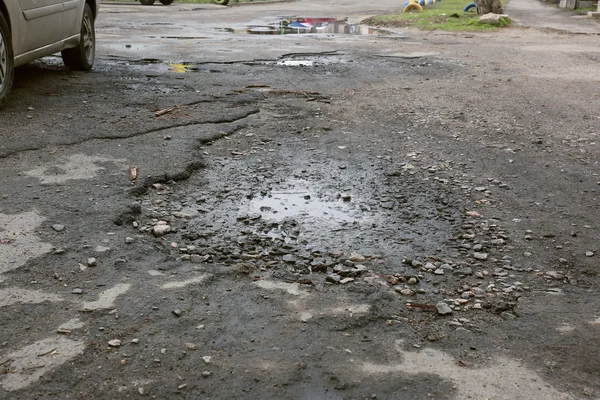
column 107, row 298
column 18, row 242
column 503, row 379
column 180, row 284
column 76, row 167
column 28, row 364
column 11, row 296
column 291, row 288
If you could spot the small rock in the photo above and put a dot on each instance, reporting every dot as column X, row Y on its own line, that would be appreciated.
column 114, row 343
column 77, row 291
column 101, row 249
column 58, row 227
column 207, row 359
column 439, row 271
column 141, row 391
column 356, row 257
column 443, row 308
column 346, row 280
column 405, row 292
column 91, row 262
column 334, row 278
column 413, row 281
column 129, row 240
column 161, row 230
column 589, row 253
column 135, row 341
column 206, row 374
column 177, row 312
column 464, row 271
column 429, row 266
column 480, row 256
column 288, row 258
column 554, row 274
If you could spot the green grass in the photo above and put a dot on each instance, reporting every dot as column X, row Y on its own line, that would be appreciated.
column 437, row 17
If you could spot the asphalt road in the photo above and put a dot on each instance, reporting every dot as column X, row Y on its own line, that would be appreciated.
column 213, row 213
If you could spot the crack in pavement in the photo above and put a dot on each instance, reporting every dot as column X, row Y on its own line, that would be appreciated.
column 209, row 121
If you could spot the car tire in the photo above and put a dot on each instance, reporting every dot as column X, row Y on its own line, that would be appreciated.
column 166, row 2
column 6, row 62
column 221, row 2
column 81, row 57
column 147, row 2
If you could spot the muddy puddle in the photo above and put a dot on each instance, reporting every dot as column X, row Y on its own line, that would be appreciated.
column 308, row 25
column 301, row 202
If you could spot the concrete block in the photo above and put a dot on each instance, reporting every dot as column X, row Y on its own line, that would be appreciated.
column 594, row 14
column 585, row 4
column 571, row 4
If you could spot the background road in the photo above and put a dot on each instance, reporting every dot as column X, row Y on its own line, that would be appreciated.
column 217, row 214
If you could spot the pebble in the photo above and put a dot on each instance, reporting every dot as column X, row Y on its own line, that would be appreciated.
column 177, row 312
column 480, row 256
column 206, row 374
column 135, row 341
column 129, row 240
column 413, row 281
column 346, row 280
column 429, row 266
column 288, row 258
column 439, row 271
column 114, row 343
column 405, row 292
column 58, row 227
column 161, row 230
column 207, row 359
column 91, row 262
column 589, row 253
column 357, row 257
column 443, row 308
column 464, row 271
column 77, row 291
column 334, row 278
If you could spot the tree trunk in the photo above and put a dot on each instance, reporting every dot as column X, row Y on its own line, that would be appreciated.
column 488, row 6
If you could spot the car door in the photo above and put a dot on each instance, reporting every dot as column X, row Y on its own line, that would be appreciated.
column 71, row 18
column 42, row 23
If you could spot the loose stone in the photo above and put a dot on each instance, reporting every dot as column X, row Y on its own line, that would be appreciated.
column 443, row 308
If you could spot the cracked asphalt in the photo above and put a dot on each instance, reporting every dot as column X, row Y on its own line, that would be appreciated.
column 216, row 214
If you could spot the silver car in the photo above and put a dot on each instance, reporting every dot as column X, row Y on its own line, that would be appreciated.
column 31, row 29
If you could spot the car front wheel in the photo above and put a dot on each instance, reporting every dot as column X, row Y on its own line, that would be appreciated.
column 6, row 61
column 81, row 58
column 166, row 2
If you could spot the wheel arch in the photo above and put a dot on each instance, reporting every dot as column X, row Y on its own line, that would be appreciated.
column 93, row 5
column 4, row 12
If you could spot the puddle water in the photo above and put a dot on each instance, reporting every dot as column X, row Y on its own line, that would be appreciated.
column 300, row 25
column 304, row 204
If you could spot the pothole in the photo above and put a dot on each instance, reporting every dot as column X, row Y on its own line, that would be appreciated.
column 309, row 25
column 301, row 202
